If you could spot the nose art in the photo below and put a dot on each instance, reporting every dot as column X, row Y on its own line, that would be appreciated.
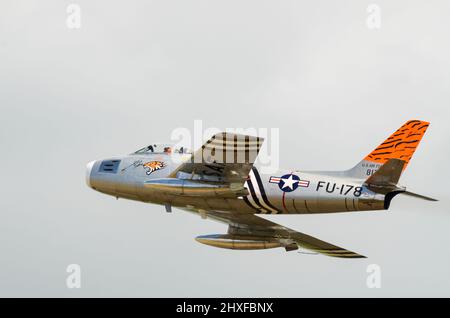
column 88, row 172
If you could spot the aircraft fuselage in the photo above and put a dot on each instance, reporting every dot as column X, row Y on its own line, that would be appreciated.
column 283, row 192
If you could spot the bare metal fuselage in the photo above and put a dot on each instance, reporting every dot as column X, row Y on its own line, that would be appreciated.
column 319, row 192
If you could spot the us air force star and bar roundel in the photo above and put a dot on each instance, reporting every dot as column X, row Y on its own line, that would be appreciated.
column 289, row 182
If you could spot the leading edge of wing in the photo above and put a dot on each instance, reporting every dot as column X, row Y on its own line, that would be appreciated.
column 254, row 224
column 316, row 245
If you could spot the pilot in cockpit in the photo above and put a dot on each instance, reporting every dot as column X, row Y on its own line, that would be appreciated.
column 162, row 148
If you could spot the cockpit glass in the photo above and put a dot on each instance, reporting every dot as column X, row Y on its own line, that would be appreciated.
column 148, row 149
column 162, row 148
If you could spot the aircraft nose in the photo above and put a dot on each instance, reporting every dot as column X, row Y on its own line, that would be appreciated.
column 88, row 172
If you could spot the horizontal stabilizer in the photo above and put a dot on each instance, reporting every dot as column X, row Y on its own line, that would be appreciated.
column 419, row 196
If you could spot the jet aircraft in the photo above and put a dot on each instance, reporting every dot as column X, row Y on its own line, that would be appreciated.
column 220, row 182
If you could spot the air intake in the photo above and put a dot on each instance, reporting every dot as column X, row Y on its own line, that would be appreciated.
column 109, row 166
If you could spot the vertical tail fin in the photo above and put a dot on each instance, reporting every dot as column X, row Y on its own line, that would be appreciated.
column 400, row 145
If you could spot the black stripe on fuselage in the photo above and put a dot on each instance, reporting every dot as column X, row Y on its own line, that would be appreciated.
column 255, row 198
column 250, row 205
column 261, row 189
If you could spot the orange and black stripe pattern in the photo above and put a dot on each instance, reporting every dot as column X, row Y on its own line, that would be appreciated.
column 401, row 144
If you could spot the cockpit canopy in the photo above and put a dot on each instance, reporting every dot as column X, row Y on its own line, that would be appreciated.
column 162, row 148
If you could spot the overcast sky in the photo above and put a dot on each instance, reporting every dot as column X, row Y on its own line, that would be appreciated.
column 136, row 70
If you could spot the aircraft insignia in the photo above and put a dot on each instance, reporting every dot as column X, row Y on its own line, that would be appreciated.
column 289, row 182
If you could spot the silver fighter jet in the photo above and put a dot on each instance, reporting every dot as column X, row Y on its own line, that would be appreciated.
column 219, row 181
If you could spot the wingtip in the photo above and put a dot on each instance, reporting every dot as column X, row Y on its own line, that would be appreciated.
column 349, row 256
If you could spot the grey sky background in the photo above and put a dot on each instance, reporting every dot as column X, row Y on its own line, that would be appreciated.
column 138, row 69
